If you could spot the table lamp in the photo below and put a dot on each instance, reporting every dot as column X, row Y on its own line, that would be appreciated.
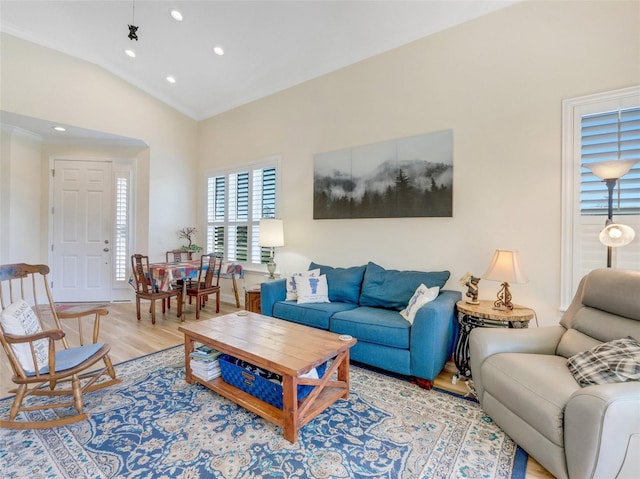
column 271, row 236
column 505, row 267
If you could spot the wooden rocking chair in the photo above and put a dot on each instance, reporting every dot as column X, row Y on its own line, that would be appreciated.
column 36, row 345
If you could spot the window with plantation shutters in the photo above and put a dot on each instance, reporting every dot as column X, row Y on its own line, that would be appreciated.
column 236, row 201
column 596, row 128
column 121, row 236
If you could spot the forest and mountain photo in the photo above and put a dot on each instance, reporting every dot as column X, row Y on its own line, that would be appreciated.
column 409, row 177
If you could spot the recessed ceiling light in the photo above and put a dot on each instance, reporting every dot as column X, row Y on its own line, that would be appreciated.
column 218, row 51
column 171, row 79
column 59, row 128
column 176, row 15
column 130, row 53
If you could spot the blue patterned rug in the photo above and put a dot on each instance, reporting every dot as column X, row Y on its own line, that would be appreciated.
column 155, row 425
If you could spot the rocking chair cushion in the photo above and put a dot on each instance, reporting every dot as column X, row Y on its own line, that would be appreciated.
column 69, row 358
column 20, row 320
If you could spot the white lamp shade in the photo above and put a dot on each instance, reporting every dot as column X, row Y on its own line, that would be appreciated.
column 271, row 233
column 611, row 169
column 505, row 267
column 615, row 235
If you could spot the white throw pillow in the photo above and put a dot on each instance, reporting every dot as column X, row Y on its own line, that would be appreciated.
column 312, row 289
column 422, row 296
column 292, row 293
column 20, row 320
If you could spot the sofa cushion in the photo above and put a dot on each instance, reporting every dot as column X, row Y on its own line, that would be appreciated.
column 615, row 361
column 396, row 360
column 373, row 325
column 292, row 292
column 344, row 283
column 392, row 289
column 312, row 314
column 533, row 387
column 312, row 289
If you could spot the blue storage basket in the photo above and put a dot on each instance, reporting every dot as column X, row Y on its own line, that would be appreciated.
column 254, row 384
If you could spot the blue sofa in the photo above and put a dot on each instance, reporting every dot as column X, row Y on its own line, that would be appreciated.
column 365, row 302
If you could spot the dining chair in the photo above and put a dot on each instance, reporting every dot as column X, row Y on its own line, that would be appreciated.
column 178, row 256
column 40, row 352
column 147, row 288
column 208, row 281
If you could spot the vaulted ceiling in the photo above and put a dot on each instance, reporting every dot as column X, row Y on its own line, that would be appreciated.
column 268, row 45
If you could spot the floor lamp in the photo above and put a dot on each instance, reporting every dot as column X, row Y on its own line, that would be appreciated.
column 613, row 234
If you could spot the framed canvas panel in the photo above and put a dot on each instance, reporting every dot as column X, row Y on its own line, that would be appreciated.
column 407, row 177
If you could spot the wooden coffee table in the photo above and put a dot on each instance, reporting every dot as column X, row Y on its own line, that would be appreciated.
column 283, row 347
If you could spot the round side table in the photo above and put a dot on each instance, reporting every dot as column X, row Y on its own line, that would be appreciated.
column 483, row 315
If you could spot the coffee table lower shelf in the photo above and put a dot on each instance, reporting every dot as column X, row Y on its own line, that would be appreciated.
column 327, row 396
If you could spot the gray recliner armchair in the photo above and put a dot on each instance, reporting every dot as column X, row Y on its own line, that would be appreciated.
column 523, row 383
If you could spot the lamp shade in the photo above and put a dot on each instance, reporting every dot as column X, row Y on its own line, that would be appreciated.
column 271, row 233
column 611, row 169
column 505, row 267
column 615, row 235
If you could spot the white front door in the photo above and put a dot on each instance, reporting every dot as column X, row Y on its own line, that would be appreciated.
column 82, row 231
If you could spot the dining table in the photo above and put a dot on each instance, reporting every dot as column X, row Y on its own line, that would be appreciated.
column 164, row 274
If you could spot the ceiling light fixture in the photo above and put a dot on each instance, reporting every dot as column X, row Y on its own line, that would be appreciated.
column 218, row 51
column 171, row 79
column 176, row 15
column 130, row 53
column 132, row 28
column 59, row 128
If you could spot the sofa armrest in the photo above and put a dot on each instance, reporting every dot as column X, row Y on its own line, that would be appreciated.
column 433, row 335
column 270, row 293
column 602, row 430
column 485, row 342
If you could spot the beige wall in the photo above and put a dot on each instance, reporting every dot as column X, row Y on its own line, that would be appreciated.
column 20, row 197
column 42, row 83
column 498, row 82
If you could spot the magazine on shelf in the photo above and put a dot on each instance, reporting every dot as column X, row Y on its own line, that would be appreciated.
column 206, row 371
column 205, row 353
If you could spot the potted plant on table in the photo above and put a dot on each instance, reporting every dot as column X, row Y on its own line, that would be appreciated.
column 187, row 233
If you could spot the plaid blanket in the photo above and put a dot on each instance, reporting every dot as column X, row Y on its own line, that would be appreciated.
column 611, row 362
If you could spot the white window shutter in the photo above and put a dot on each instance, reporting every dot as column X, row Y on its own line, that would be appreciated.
column 236, row 201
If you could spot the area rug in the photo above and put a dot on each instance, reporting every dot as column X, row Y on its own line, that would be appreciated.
column 155, row 425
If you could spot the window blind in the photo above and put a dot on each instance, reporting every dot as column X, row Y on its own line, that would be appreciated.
column 610, row 136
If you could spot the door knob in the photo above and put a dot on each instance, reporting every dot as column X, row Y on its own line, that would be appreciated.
column 105, row 250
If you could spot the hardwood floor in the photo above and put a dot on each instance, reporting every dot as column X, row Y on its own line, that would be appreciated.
column 130, row 338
